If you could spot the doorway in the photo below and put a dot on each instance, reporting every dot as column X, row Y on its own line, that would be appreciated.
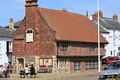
column 20, row 63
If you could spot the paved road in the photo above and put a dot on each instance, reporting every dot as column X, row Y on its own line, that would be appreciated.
column 82, row 78
column 58, row 76
column 69, row 78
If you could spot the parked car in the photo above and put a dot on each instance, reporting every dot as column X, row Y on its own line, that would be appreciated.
column 109, row 59
column 112, row 70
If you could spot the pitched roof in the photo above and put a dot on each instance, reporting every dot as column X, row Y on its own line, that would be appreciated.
column 6, row 32
column 109, row 23
column 16, row 24
column 70, row 26
column 102, row 29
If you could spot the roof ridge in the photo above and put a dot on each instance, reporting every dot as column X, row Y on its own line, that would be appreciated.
column 61, row 10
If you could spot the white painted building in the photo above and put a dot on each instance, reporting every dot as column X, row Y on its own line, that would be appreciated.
column 6, row 45
column 110, row 29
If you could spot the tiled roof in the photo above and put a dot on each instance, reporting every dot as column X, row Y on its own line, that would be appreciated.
column 6, row 32
column 102, row 29
column 70, row 26
column 109, row 23
column 17, row 23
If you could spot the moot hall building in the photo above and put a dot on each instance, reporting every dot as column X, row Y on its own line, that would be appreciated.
column 66, row 41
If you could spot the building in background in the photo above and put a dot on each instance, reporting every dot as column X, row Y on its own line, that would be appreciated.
column 16, row 24
column 6, row 35
column 110, row 29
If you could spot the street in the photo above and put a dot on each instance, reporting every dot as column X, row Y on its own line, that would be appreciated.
column 82, row 78
column 64, row 78
column 58, row 76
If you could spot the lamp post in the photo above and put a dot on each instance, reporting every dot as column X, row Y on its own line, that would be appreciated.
column 99, row 63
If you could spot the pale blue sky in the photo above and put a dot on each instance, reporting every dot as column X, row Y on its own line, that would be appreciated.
column 16, row 9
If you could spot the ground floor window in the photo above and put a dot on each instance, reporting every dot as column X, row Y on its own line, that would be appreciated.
column 76, row 65
column 62, row 64
column 43, row 61
column 91, row 65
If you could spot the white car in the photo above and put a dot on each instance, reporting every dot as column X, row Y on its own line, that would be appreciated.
column 112, row 71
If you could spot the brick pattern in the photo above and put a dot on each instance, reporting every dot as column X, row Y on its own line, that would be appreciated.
column 43, row 36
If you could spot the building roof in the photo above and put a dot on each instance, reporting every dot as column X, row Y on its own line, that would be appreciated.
column 102, row 29
column 16, row 24
column 70, row 26
column 6, row 32
column 109, row 23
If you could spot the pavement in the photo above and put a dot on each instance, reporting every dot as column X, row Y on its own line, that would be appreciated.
column 54, row 76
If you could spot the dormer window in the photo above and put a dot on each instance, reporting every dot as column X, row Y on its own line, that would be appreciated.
column 29, row 35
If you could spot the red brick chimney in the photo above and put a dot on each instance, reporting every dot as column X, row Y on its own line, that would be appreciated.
column 115, row 17
column 31, row 7
column 95, row 16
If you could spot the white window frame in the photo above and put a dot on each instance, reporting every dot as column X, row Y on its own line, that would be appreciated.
column 29, row 35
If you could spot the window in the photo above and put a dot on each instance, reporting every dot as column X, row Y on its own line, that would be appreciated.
column 29, row 35
column 9, row 46
column 111, row 52
column 91, row 65
column 110, row 36
column 62, row 64
column 77, row 65
column 63, row 46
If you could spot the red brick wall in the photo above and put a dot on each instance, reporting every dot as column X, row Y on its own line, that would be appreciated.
column 43, row 36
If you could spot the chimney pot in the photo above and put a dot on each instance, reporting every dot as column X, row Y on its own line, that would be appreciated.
column 95, row 16
column 115, row 17
column 31, row 3
column 11, row 23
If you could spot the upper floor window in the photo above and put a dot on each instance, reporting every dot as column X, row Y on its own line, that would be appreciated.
column 63, row 45
column 9, row 46
column 29, row 35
